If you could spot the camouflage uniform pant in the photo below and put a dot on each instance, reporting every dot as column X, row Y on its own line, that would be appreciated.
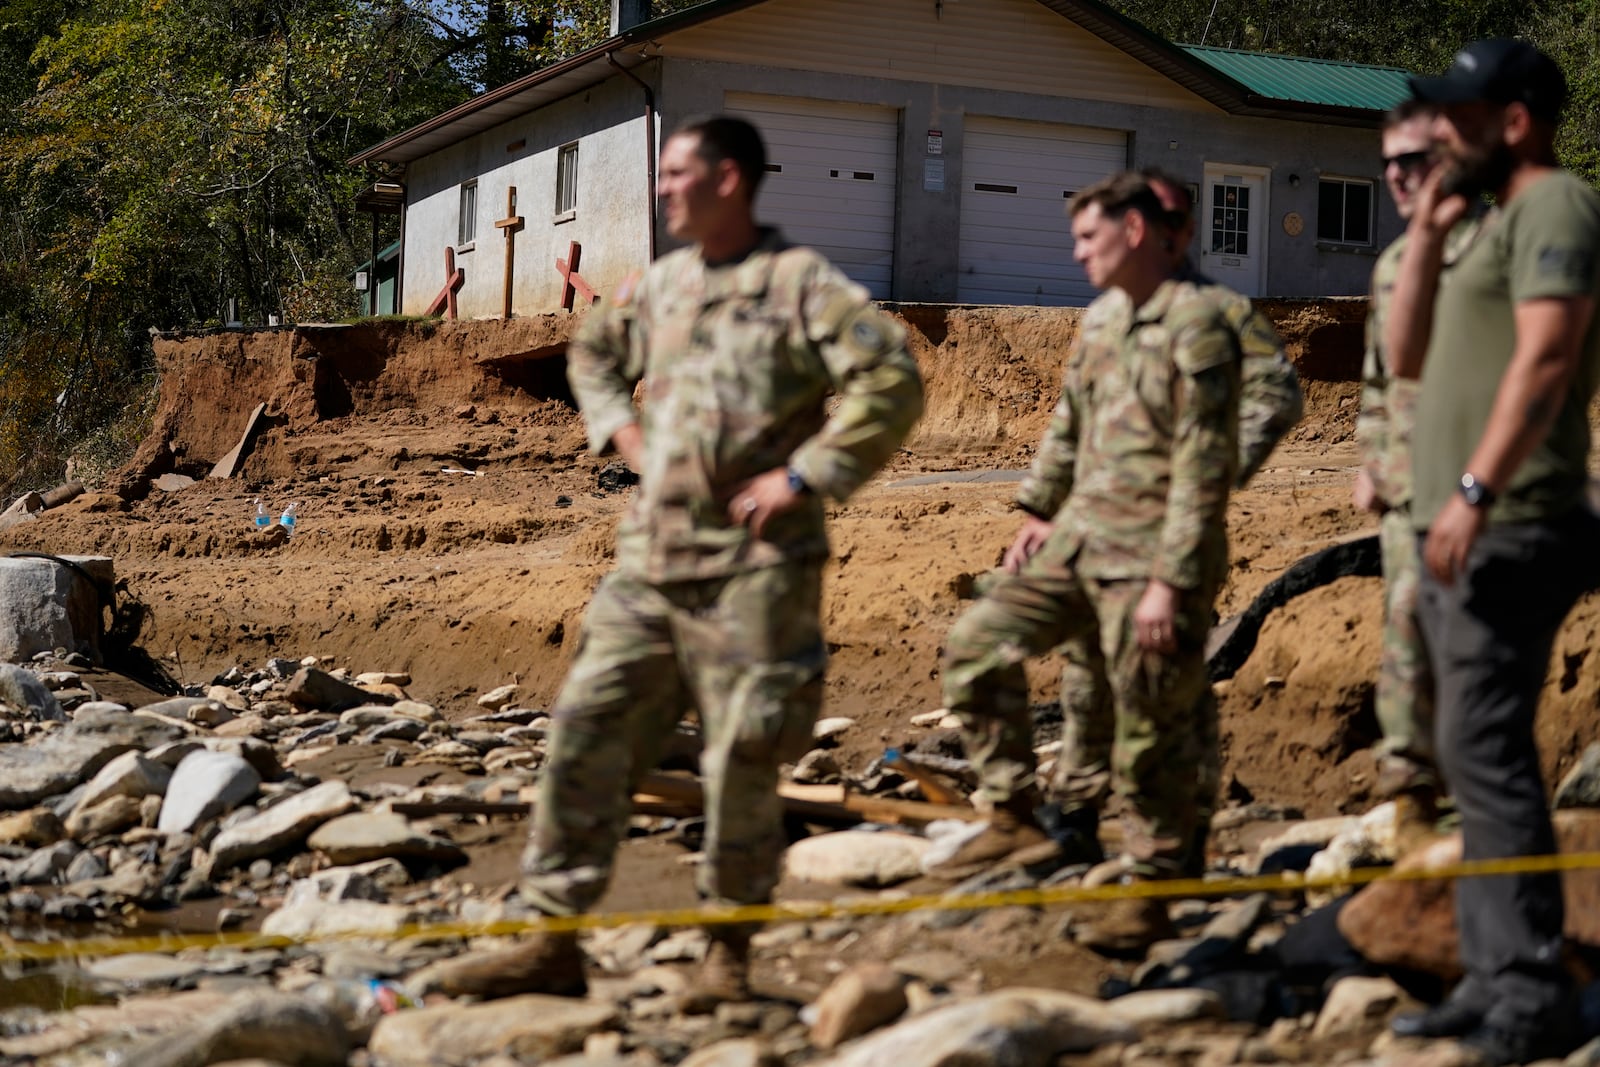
column 1404, row 699
column 1157, row 734
column 745, row 650
column 1082, row 777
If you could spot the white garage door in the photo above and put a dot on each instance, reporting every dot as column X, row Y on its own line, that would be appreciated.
column 1016, row 240
column 830, row 179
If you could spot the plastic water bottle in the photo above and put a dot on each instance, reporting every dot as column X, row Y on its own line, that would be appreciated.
column 263, row 516
column 287, row 520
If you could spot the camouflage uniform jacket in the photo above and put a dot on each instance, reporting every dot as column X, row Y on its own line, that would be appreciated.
column 1389, row 404
column 1270, row 400
column 738, row 362
column 1137, row 463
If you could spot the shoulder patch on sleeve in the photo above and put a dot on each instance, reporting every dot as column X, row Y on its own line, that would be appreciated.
column 1201, row 339
column 869, row 332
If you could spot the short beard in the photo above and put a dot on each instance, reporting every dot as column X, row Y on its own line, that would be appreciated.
column 1485, row 171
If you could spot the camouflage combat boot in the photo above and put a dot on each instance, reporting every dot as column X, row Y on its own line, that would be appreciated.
column 1077, row 832
column 724, row 975
column 1013, row 838
column 544, row 963
column 1126, row 928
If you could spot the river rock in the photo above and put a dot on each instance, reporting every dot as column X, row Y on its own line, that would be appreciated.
column 1356, row 1004
column 34, row 828
column 856, row 857
column 528, row 1028
column 734, row 1052
column 1412, row 923
column 1010, row 1028
column 73, row 754
column 40, row 867
column 130, row 775
column 1155, row 1008
column 261, row 1023
column 111, row 816
column 312, row 908
column 175, row 708
column 863, row 998
column 373, row 835
column 285, row 823
column 143, row 968
column 1581, row 787
column 498, row 697
column 23, row 690
column 206, row 784
column 314, row 688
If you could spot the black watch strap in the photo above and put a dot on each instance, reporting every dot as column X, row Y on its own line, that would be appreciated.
column 1475, row 492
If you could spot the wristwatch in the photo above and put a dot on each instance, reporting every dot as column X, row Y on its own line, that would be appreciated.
column 1475, row 492
column 797, row 484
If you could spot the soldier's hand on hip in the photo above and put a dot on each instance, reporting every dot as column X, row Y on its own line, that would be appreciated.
column 1155, row 619
column 1035, row 531
column 1364, row 494
column 761, row 499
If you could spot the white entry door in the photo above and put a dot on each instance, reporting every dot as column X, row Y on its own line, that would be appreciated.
column 1233, row 226
column 830, row 179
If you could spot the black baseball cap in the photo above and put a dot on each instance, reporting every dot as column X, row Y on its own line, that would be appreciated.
column 1500, row 70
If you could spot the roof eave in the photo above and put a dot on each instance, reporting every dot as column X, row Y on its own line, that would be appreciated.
column 1257, row 106
column 389, row 151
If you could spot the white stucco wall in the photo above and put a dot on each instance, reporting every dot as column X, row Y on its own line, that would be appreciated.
column 611, row 221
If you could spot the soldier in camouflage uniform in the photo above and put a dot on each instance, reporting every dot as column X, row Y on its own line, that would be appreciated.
column 1270, row 402
column 1404, row 697
column 714, row 604
column 1124, row 547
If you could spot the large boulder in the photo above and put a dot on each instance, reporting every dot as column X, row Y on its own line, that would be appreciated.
column 73, row 754
column 1412, row 924
column 47, row 604
column 285, row 823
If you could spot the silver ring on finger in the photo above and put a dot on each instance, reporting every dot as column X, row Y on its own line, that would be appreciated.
column 749, row 504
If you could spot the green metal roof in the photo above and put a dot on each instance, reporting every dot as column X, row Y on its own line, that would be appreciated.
column 1308, row 81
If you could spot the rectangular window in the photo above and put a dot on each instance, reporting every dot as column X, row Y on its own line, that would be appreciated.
column 567, row 179
column 1344, row 211
column 467, row 226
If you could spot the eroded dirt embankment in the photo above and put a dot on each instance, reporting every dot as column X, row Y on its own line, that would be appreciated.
column 453, row 525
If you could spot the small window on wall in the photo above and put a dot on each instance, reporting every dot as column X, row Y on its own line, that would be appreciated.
column 467, row 226
column 1344, row 211
column 567, row 180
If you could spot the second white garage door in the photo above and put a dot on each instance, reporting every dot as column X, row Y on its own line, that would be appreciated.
column 1016, row 240
column 830, row 179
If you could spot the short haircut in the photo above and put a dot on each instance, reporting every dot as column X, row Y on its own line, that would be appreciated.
column 1177, row 218
column 1406, row 111
column 725, row 137
column 1119, row 194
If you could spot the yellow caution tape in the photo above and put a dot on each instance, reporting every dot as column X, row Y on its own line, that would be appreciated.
column 801, row 910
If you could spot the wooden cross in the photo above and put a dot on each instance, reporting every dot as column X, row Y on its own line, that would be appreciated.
column 510, row 224
column 572, row 283
column 453, row 278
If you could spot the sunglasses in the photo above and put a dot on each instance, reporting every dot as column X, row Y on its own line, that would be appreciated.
column 1407, row 160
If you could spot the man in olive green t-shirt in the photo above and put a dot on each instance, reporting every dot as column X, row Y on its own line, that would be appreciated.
column 1506, row 344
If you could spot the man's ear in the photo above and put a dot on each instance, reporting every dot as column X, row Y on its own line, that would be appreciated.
column 1137, row 227
column 1517, row 124
column 728, row 178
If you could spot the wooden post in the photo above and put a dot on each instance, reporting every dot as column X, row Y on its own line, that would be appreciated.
column 510, row 225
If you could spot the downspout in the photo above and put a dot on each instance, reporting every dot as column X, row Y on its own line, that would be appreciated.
column 400, row 257
column 649, row 149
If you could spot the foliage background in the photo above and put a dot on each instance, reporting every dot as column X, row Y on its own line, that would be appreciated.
column 163, row 160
